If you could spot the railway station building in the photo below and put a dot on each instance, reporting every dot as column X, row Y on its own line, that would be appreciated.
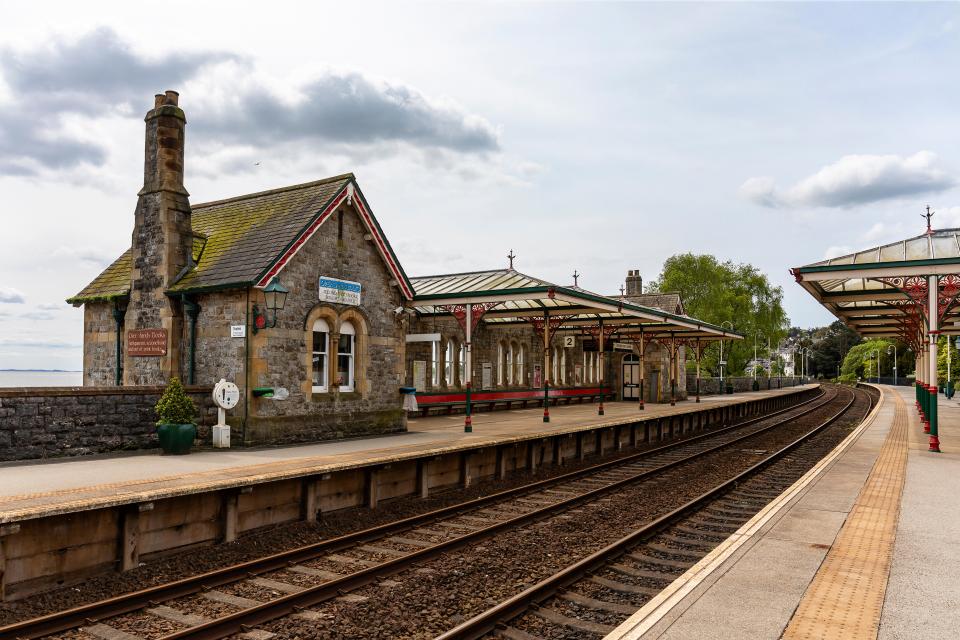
column 296, row 295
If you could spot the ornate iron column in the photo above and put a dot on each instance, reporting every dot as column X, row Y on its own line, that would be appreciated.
column 933, row 291
column 546, row 366
column 601, row 338
column 468, row 331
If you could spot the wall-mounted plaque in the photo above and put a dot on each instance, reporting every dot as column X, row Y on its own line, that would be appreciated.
column 339, row 291
column 147, row 342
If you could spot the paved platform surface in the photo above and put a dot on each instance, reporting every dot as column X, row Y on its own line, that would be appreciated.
column 30, row 490
column 862, row 547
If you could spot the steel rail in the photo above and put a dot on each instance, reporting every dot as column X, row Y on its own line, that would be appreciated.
column 288, row 604
column 491, row 619
column 135, row 600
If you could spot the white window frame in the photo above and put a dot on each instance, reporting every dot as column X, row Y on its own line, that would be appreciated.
column 347, row 329
column 325, row 373
column 563, row 366
column 448, row 364
column 521, row 361
column 500, row 358
column 510, row 358
column 462, row 364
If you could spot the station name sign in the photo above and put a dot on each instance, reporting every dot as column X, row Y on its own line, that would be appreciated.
column 147, row 342
column 339, row 291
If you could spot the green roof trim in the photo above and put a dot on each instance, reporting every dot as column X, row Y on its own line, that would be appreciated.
column 929, row 262
column 112, row 283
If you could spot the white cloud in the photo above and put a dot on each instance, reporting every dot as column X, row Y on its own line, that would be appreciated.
column 948, row 218
column 854, row 180
column 11, row 296
column 836, row 251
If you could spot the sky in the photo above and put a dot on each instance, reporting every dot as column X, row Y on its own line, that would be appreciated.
column 592, row 137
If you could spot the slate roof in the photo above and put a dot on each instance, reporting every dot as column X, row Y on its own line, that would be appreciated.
column 236, row 240
column 669, row 302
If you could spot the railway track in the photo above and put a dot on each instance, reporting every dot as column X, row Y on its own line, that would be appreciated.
column 591, row 597
column 237, row 598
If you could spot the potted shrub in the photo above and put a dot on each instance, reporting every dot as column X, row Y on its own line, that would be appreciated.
column 175, row 412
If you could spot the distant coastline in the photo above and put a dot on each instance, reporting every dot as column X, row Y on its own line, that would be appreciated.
column 44, row 370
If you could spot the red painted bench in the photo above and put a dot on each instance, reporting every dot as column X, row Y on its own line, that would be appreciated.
column 427, row 400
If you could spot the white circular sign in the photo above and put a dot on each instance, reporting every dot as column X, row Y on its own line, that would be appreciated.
column 226, row 394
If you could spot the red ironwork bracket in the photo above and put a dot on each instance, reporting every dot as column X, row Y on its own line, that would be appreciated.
column 459, row 311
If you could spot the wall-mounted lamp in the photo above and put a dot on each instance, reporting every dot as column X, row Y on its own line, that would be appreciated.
column 274, row 297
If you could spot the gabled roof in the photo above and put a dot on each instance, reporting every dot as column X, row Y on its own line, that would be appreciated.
column 246, row 240
column 668, row 301
column 516, row 297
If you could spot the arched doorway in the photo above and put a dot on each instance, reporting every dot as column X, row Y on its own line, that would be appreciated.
column 631, row 377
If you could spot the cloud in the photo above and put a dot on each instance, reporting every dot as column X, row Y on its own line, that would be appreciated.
column 84, row 254
column 95, row 75
column 855, row 180
column 837, row 251
column 229, row 103
column 11, row 296
column 38, row 315
column 53, row 306
column 37, row 343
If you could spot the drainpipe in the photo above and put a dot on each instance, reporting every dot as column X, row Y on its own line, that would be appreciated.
column 118, row 314
column 193, row 310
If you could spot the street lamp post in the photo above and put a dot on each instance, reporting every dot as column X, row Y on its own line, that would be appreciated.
column 893, row 347
column 722, row 362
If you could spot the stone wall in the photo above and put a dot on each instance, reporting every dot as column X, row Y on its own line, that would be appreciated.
column 281, row 356
column 63, row 422
column 709, row 386
column 99, row 345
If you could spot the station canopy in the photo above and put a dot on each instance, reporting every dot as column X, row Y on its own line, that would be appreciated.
column 508, row 297
column 883, row 291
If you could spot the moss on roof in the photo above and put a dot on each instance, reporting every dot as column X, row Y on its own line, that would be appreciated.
column 235, row 240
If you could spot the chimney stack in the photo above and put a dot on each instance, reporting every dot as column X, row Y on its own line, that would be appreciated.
column 161, row 246
column 634, row 283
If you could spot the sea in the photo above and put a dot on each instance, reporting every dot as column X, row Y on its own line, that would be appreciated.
column 41, row 378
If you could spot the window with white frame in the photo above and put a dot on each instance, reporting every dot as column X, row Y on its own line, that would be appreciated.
column 448, row 364
column 563, row 366
column 521, row 361
column 510, row 364
column 320, row 348
column 555, row 378
column 500, row 357
column 346, row 348
column 464, row 377
column 584, row 370
column 434, row 364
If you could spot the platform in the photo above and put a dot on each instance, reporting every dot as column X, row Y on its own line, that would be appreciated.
column 43, row 488
column 863, row 546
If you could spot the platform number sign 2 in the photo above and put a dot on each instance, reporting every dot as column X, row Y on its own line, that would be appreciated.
column 569, row 342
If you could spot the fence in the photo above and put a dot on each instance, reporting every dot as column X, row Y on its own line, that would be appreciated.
column 711, row 386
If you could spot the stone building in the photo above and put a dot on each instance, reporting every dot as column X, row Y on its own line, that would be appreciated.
column 186, row 300
column 296, row 296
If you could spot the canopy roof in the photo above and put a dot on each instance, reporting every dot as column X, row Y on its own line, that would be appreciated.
column 514, row 297
column 868, row 290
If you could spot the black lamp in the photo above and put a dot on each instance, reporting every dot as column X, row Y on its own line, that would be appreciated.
column 274, row 298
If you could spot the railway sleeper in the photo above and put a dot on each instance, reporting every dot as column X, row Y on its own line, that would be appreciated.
column 672, row 551
column 656, row 561
column 175, row 615
column 690, row 531
column 588, row 626
column 601, row 605
column 633, row 589
column 700, row 545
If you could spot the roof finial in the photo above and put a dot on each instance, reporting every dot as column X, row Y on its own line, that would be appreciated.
column 511, row 256
column 621, row 291
column 575, row 276
column 928, row 215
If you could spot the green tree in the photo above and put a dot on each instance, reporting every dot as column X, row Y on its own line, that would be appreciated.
column 861, row 360
column 720, row 292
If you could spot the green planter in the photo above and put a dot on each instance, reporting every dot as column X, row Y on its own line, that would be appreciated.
column 756, row 385
column 176, row 439
column 729, row 389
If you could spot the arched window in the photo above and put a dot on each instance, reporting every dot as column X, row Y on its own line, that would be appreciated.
column 321, row 347
column 563, row 366
column 434, row 364
column 448, row 364
column 521, row 361
column 510, row 364
column 500, row 357
column 555, row 378
column 346, row 348
column 464, row 374
column 585, row 370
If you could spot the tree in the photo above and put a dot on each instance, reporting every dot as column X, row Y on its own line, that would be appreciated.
column 861, row 360
column 719, row 292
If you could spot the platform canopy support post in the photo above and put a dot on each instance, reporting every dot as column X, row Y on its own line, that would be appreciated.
column 673, row 370
column 546, row 366
column 468, row 382
column 600, row 407
column 642, row 348
column 698, row 352
column 933, row 290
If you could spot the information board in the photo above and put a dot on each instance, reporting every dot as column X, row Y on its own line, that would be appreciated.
column 339, row 291
column 420, row 374
column 147, row 342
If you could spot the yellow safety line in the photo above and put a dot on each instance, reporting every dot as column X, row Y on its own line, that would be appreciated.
column 845, row 597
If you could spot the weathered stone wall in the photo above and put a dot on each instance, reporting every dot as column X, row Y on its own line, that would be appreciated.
column 280, row 356
column 486, row 339
column 709, row 386
column 99, row 345
column 61, row 422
